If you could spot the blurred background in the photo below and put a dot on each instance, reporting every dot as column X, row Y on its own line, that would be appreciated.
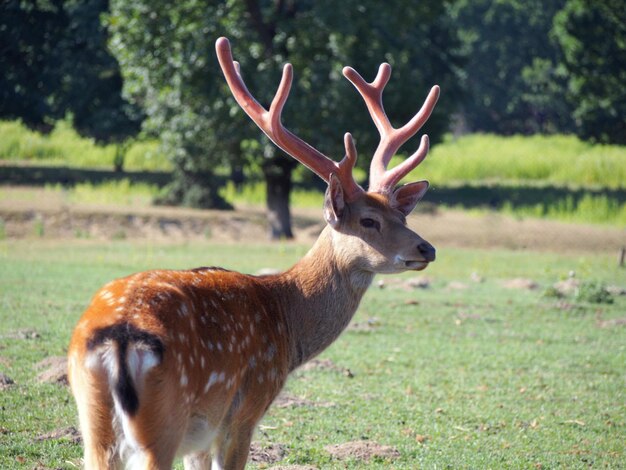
column 122, row 102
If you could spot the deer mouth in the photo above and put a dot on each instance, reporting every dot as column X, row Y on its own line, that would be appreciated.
column 415, row 265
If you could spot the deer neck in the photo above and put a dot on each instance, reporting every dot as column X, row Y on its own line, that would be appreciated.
column 320, row 295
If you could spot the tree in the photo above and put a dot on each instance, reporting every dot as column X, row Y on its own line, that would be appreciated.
column 55, row 61
column 513, row 80
column 167, row 56
column 30, row 81
column 592, row 38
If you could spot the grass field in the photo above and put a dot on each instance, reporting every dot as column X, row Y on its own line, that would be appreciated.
column 466, row 373
column 562, row 160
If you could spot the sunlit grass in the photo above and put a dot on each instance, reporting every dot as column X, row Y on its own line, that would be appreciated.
column 559, row 159
column 121, row 192
column 255, row 193
column 64, row 147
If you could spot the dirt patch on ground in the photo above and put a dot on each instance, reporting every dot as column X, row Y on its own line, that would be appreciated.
column 268, row 454
column 70, row 434
column 520, row 283
column 362, row 450
column 5, row 381
column 53, row 370
column 293, row 467
column 49, row 217
column 327, row 365
column 287, row 400
column 24, row 333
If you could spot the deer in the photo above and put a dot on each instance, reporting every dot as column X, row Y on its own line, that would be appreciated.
column 168, row 364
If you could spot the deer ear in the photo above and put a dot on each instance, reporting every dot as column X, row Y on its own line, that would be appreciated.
column 334, row 201
column 407, row 196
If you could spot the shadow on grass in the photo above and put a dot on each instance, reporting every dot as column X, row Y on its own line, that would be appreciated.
column 66, row 176
column 521, row 196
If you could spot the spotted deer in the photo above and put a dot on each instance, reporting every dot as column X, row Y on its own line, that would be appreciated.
column 185, row 363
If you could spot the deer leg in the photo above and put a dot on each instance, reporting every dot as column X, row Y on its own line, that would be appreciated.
column 95, row 413
column 233, row 447
column 155, row 432
column 197, row 461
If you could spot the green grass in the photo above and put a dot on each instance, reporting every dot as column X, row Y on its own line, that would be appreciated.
column 591, row 208
column 122, row 192
column 482, row 377
column 559, row 160
column 63, row 146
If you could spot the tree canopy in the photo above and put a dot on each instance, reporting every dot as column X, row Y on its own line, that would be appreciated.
column 167, row 54
column 592, row 39
column 55, row 62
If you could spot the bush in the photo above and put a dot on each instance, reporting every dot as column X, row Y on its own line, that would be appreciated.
column 593, row 293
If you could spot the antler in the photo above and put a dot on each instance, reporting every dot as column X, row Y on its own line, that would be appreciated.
column 383, row 180
column 270, row 123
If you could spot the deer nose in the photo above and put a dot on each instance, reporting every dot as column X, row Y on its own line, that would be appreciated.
column 427, row 251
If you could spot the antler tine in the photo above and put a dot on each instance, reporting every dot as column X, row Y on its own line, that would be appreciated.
column 382, row 180
column 270, row 123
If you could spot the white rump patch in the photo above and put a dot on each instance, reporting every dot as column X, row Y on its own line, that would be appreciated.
column 140, row 360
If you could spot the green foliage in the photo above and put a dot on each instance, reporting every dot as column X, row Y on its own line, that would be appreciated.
column 511, row 77
column 592, row 38
column 55, row 62
column 489, row 377
column 166, row 51
column 594, row 293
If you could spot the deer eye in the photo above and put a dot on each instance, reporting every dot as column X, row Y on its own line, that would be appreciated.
column 370, row 223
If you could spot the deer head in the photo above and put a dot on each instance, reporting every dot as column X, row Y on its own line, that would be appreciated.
column 369, row 227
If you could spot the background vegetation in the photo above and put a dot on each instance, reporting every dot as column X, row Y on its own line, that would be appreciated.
column 557, row 176
column 506, row 67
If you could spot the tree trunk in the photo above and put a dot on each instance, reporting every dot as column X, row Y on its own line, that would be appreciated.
column 277, row 172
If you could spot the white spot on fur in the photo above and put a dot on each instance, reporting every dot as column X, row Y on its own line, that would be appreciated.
column 106, row 295
column 230, row 382
column 212, row 381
